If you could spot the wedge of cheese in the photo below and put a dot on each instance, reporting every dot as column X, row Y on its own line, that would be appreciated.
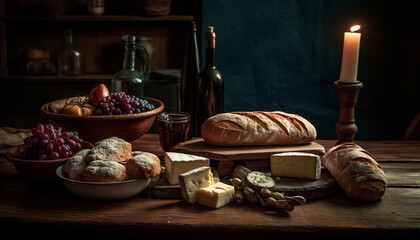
column 178, row 163
column 216, row 195
column 296, row 164
column 191, row 181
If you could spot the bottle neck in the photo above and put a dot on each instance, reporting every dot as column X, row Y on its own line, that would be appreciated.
column 69, row 36
column 210, row 57
column 210, row 48
column 129, row 57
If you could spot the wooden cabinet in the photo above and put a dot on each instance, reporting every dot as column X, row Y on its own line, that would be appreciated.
column 98, row 38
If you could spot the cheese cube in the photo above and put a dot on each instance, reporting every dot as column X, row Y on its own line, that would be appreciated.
column 178, row 163
column 296, row 164
column 191, row 181
column 216, row 195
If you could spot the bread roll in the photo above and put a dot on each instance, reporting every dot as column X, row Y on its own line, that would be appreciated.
column 257, row 128
column 111, row 149
column 75, row 166
column 357, row 172
column 142, row 165
column 105, row 171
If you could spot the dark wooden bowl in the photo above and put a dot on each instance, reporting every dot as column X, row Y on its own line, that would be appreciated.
column 95, row 128
column 37, row 171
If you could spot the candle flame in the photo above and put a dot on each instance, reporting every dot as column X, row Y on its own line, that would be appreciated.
column 355, row 28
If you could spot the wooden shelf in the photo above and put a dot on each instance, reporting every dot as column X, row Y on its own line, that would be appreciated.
column 110, row 18
column 86, row 78
column 160, row 75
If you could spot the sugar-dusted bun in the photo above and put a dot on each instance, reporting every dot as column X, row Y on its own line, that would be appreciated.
column 105, row 171
column 111, row 149
column 76, row 165
column 142, row 165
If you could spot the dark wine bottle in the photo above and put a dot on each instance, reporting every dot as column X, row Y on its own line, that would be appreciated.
column 210, row 84
column 189, row 77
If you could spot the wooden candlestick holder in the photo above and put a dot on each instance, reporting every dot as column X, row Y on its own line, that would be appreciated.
column 346, row 127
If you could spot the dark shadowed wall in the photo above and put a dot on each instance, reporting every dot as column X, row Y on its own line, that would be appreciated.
column 286, row 54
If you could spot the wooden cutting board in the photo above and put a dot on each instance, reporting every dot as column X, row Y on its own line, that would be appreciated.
column 198, row 146
column 252, row 157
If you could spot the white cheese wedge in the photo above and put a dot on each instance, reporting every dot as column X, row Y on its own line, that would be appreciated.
column 216, row 195
column 296, row 164
column 178, row 163
column 191, row 181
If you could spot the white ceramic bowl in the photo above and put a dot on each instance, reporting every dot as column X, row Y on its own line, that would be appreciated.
column 103, row 190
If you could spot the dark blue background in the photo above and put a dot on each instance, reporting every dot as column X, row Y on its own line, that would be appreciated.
column 286, row 54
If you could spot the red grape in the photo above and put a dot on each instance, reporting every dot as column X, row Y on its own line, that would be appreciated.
column 43, row 143
column 54, row 155
column 50, row 147
column 75, row 138
column 44, row 136
column 40, row 127
column 71, row 143
column 65, row 154
column 59, row 141
column 65, row 135
column 50, row 132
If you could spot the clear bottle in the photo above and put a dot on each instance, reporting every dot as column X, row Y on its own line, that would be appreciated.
column 189, row 78
column 70, row 58
column 210, row 84
column 128, row 79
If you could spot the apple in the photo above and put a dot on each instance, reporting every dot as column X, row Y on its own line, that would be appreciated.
column 97, row 93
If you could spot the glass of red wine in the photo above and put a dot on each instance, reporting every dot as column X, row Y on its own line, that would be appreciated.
column 173, row 128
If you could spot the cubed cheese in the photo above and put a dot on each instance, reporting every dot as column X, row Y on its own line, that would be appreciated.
column 216, row 195
column 178, row 163
column 191, row 181
column 296, row 164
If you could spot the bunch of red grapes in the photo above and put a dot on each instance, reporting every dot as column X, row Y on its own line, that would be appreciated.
column 48, row 142
column 121, row 103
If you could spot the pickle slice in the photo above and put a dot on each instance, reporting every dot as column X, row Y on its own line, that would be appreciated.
column 258, row 180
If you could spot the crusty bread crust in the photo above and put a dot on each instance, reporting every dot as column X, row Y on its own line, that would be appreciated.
column 257, row 128
column 357, row 172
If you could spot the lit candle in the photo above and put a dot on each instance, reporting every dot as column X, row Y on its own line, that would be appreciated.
column 350, row 59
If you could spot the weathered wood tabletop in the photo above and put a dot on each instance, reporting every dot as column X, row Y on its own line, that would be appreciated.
column 52, row 212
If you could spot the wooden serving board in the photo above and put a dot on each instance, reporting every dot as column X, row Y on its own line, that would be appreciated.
column 252, row 157
column 324, row 186
column 224, row 160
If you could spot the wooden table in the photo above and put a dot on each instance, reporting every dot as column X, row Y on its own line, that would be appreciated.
column 52, row 212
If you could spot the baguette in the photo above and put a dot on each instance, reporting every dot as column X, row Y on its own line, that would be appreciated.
column 357, row 172
column 257, row 128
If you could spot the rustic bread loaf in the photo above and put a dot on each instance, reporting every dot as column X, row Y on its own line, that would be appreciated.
column 142, row 165
column 257, row 128
column 111, row 149
column 357, row 171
